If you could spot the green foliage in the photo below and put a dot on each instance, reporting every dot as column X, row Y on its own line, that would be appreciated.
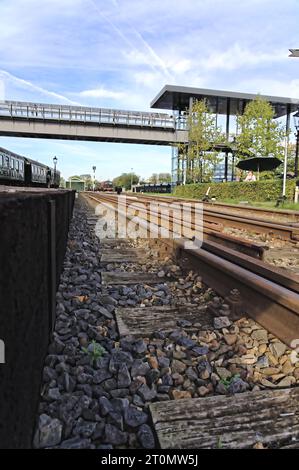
column 228, row 381
column 203, row 133
column 260, row 135
column 160, row 178
column 94, row 350
column 266, row 190
column 124, row 180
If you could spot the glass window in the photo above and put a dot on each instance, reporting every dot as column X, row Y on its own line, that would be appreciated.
column 12, row 163
column 17, row 165
column 6, row 161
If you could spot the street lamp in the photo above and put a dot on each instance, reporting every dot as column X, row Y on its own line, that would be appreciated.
column 131, row 179
column 233, row 147
column 55, row 159
column 94, row 177
column 296, row 122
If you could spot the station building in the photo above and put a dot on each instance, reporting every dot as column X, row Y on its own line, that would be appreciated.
column 226, row 105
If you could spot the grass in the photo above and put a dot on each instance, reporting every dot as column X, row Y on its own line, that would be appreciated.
column 287, row 205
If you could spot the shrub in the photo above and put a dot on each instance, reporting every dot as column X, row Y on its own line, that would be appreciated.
column 266, row 190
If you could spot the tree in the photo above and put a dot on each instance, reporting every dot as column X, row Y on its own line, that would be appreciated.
column 260, row 135
column 154, row 178
column 164, row 178
column 203, row 136
column 124, row 180
column 160, row 178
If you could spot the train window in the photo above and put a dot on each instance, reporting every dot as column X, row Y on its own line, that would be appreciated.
column 21, row 166
column 6, row 161
column 12, row 163
column 17, row 165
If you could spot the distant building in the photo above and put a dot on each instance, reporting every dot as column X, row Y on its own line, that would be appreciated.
column 76, row 182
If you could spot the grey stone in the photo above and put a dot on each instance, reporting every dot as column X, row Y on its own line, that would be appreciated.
column 100, row 376
column 118, row 358
column 76, row 443
column 221, row 389
column 120, row 404
column 139, row 346
column 178, row 366
column 186, row 342
column 200, row 350
column 54, row 394
column 139, row 368
column 134, row 417
column 49, row 374
column 146, row 437
column 146, row 393
column 105, row 406
column 238, row 385
column 84, row 428
column 123, row 377
column 116, row 418
column 221, row 322
column 103, row 311
column 48, row 433
column 114, row 436
column 99, row 431
column 120, row 393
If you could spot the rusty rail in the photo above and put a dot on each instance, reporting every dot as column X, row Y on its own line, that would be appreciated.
column 269, row 295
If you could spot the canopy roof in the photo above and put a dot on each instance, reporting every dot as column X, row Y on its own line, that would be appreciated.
column 228, row 102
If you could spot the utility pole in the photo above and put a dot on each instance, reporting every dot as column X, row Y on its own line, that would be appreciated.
column 94, row 177
column 131, row 179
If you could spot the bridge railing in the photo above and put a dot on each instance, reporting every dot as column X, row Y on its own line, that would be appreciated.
column 35, row 111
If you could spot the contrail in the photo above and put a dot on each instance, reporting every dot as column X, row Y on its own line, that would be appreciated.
column 121, row 34
column 27, row 84
column 152, row 52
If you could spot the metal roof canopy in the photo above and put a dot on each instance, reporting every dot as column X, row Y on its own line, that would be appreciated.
column 178, row 98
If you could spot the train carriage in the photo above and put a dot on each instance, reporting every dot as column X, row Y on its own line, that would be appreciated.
column 12, row 168
column 22, row 171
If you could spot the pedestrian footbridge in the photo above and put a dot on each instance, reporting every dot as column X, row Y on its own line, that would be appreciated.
column 47, row 121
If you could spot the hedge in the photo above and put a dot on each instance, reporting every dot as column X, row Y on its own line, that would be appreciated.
column 267, row 190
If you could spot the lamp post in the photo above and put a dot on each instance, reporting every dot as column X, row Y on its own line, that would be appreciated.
column 296, row 122
column 94, row 177
column 55, row 159
column 233, row 147
column 131, row 179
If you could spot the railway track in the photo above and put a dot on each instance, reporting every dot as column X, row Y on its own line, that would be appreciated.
column 268, row 294
column 257, row 418
column 283, row 225
column 280, row 215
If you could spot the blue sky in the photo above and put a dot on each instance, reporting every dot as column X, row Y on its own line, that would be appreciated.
column 120, row 53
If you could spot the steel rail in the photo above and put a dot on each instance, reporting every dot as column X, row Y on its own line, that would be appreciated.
column 211, row 231
column 277, row 229
column 269, row 302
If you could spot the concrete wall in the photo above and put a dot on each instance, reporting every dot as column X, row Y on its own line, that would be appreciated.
column 31, row 258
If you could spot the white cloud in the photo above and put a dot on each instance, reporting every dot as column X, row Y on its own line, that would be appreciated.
column 238, row 56
column 102, row 93
column 284, row 88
